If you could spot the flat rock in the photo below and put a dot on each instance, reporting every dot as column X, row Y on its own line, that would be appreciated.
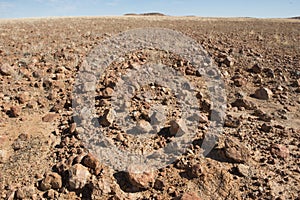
column 236, row 151
column 141, row 179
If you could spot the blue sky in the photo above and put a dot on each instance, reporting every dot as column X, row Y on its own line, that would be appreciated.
column 207, row 8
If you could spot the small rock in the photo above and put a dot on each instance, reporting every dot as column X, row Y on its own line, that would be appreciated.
column 228, row 61
column 108, row 117
column 6, row 69
column 90, row 161
column 141, row 179
column 52, row 180
column 263, row 93
column 73, row 127
column 243, row 170
column 266, row 128
column 239, row 82
column 243, row 103
column 25, row 192
column 108, row 92
column 144, row 126
column 280, row 150
column 15, row 111
column 195, row 171
column 3, row 156
column 190, row 196
column 232, row 122
column 23, row 98
column 52, row 194
column 177, row 128
column 50, row 117
column 236, row 151
column 256, row 68
column 78, row 176
column 159, row 184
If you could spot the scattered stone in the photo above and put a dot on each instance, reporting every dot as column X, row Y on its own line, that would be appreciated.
column 280, row 150
column 73, row 127
column 52, row 180
column 228, row 61
column 263, row 93
column 256, row 68
column 239, row 82
column 26, row 192
column 243, row 170
column 236, row 151
column 90, row 161
column 144, row 126
column 177, row 128
column 232, row 122
column 50, row 117
column 195, row 171
column 15, row 111
column 159, row 184
column 23, row 98
column 141, row 179
column 190, row 196
column 266, row 128
column 108, row 92
column 3, row 156
column 108, row 117
column 6, row 69
column 78, row 177
column 244, row 103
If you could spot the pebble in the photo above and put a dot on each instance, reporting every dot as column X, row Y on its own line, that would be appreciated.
column 256, row 68
column 3, row 156
column 266, row 128
column 78, row 177
column 243, row 170
column 23, row 98
column 90, row 161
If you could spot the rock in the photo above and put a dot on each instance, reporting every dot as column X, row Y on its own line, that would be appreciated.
column 266, row 128
column 141, row 179
column 190, row 196
column 243, row 170
column 280, row 151
column 23, row 98
column 159, row 184
column 177, row 128
column 4, row 156
column 52, row 180
column 50, row 117
column 236, row 151
column 90, row 161
column 78, row 177
column 256, row 68
column 244, row 103
column 6, row 69
column 228, row 61
column 231, row 122
column 108, row 92
column 108, row 117
column 144, row 126
column 195, row 171
column 26, row 192
column 52, row 194
column 15, row 111
column 239, row 82
column 73, row 127
column 263, row 93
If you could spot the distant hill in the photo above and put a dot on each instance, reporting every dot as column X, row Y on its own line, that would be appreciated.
column 146, row 14
column 295, row 17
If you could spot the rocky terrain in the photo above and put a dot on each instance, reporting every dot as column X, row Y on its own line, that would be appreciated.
column 257, row 156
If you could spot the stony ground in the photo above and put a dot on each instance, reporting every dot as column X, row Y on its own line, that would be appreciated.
column 257, row 156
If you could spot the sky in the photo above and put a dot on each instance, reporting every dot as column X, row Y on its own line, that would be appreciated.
column 207, row 8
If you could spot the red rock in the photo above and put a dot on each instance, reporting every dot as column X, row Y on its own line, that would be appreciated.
column 280, row 150
column 6, row 69
column 50, row 117
column 144, row 179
